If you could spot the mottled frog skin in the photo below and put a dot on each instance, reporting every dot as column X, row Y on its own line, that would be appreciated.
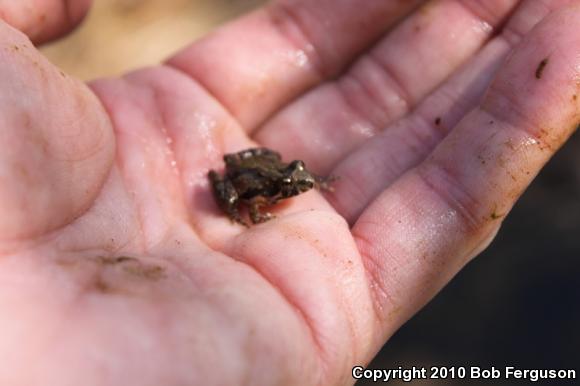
column 257, row 177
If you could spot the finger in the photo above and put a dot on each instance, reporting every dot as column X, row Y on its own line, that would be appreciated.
column 418, row 233
column 258, row 63
column 56, row 142
column 44, row 20
column 386, row 83
column 372, row 167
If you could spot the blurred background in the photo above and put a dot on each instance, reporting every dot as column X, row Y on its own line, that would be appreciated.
column 121, row 35
column 517, row 304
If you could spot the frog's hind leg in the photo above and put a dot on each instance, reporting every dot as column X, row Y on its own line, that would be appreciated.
column 226, row 196
column 255, row 215
column 266, row 153
column 232, row 160
column 236, row 159
column 259, row 152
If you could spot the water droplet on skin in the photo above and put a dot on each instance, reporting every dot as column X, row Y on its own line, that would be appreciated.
column 484, row 27
column 300, row 58
column 297, row 58
column 205, row 125
column 531, row 141
column 365, row 130
column 174, row 166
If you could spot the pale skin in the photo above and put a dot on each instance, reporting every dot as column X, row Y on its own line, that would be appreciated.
column 116, row 266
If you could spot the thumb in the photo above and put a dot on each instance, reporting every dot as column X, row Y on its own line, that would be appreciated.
column 56, row 142
column 43, row 20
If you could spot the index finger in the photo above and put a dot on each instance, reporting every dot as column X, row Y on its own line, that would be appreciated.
column 265, row 59
column 447, row 210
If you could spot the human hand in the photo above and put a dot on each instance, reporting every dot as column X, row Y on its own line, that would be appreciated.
column 118, row 268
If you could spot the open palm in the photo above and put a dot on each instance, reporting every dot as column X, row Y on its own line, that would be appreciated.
column 117, row 268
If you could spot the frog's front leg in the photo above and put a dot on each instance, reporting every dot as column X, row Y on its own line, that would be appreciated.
column 325, row 183
column 226, row 196
column 255, row 204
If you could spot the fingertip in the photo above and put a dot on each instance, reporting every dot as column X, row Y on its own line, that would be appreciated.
column 44, row 20
column 69, row 15
column 77, row 10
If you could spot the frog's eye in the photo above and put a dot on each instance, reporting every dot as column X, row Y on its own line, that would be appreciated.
column 286, row 180
column 297, row 165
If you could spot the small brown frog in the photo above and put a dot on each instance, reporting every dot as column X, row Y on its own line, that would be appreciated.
column 257, row 177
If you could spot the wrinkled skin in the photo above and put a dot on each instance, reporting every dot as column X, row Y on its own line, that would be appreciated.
column 117, row 267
